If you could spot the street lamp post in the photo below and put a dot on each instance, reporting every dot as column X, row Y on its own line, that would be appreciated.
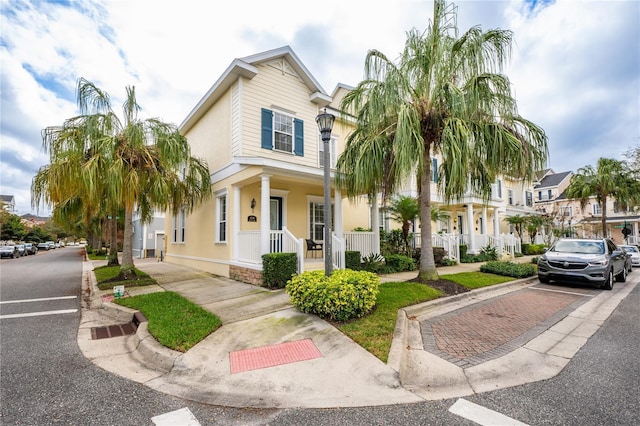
column 325, row 123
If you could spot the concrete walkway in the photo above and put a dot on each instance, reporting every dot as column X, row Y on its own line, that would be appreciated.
column 315, row 365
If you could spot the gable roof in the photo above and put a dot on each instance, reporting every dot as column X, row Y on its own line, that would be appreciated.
column 551, row 180
column 7, row 198
column 246, row 67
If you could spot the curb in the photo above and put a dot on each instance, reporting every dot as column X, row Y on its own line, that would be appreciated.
column 402, row 342
column 151, row 353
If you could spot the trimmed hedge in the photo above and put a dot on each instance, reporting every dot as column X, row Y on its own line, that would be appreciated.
column 352, row 260
column 344, row 295
column 530, row 249
column 509, row 269
column 278, row 268
column 399, row 263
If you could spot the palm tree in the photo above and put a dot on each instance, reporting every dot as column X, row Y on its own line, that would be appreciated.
column 518, row 222
column 610, row 179
column 404, row 209
column 134, row 163
column 446, row 95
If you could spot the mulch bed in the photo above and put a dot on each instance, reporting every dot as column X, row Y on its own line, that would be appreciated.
column 447, row 287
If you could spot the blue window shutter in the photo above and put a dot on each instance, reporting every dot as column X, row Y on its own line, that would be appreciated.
column 267, row 129
column 298, row 131
column 434, row 166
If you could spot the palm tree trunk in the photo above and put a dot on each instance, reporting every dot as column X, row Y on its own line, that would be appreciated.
column 428, row 271
column 113, row 249
column 127, row 244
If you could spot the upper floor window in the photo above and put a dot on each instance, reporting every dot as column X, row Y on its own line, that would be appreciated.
column 529, row 198
column 597, row 209
column 499, row 188
column 566, row 211
column 282, row 132
column 510, row 195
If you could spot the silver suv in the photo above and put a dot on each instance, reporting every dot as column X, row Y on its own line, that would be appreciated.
column 594, row 261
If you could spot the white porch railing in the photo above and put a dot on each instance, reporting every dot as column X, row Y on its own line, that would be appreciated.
column 284, row 242
column 249, row 242
column 363, row 242
column 450, row 243
column 337, row 252
column 505, row 243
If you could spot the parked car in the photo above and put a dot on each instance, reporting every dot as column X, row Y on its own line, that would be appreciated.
column 635, row 254
column 593, row 261
column 43, row 246
column 22, row 250
column 52, row 245
column 9, row 251
column 31, row 248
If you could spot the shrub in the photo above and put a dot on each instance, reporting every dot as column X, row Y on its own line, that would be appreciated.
column 352, row 260
column 399, row 263
column 509, row 269
column 448, row 262
column 489, row 252
column 278, row 268
column 344, row 295
column 463, row 250
column 530, row 249
column 374, row 263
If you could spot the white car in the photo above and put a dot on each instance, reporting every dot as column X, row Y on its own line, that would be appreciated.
column 635, row 254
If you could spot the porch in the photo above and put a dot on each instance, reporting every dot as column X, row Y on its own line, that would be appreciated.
column 367, row 243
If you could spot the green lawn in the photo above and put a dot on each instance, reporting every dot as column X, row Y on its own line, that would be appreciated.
column 374, row 332
column 106, row 277
column 174, row 321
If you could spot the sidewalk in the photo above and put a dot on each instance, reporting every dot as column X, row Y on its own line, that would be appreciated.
column 267, row 354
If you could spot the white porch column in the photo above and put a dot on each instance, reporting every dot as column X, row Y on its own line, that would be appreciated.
column 375, row 222
column 483, row 228
column 265, row 210
column 470, row 226
column 337, row 211
column 496, row 223
column 235, row 250
column 338, row 225
column 635, row 229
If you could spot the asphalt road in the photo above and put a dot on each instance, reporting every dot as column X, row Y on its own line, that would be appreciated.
column 45, row 379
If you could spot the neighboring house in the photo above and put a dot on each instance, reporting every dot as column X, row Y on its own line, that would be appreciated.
column 571, row 219
column 148, row 238
column 8, row 203
column 256, row 129
column 30, row 220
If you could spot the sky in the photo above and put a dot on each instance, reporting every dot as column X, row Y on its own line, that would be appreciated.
column 574, row 69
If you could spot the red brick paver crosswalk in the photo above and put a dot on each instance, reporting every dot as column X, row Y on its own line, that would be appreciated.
column 478, row 330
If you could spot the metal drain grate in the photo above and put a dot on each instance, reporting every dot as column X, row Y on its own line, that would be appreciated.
column 113, row 331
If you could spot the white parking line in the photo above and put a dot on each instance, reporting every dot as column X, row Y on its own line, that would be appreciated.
column 182, row 417
column 562, row 291
column 37, row 314
column 481, row 415
column 43, row 299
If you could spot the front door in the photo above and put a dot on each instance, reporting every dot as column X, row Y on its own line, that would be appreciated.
column 275, row 223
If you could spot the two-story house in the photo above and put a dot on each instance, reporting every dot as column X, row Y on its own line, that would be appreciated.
column 256, row 129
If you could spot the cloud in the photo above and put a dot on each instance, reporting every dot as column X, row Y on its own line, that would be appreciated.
column 575, row 67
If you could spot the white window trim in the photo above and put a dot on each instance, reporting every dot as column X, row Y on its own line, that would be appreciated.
column 179, row 227
column 274, row 131
column 218, row 196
